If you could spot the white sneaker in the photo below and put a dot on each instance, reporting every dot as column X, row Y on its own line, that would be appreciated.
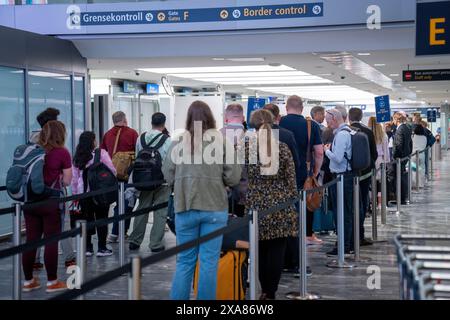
column 104, row 253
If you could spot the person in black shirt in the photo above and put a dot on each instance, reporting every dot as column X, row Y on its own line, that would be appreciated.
column 355, row 116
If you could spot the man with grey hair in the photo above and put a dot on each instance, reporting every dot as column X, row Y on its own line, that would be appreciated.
column 343, row 110
column 234, row 131
column 338, row 153
column 119, row 138
column 318, row 115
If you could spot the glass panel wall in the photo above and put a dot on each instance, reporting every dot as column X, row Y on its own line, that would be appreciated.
column 50, row 90
column 12, row 128
column 78, row 105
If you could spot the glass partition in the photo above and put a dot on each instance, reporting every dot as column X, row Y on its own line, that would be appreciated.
column 46, row 90
column 12, row 128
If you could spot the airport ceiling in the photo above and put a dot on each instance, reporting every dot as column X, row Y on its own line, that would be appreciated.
column 329, row 76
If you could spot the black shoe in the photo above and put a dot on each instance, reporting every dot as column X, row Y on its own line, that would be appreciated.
column 365, row 242
column 133, row 246
column 158, row 249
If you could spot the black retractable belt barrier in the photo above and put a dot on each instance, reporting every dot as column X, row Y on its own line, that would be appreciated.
column 3, row 188
column 39, row 243
column 111, row 275
column 6, row 211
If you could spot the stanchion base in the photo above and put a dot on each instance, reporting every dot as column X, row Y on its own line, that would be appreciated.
column 335, row 264
column 296, row 296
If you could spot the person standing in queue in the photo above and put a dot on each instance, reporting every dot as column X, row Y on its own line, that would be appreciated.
column 297, row 124
column 268, row 188
column 154, row 138
column 120, row 140
column 83, row 158
column 46, row 219
column 338, row 153
column 355, row 116
column 200, row 200
column 234, row 131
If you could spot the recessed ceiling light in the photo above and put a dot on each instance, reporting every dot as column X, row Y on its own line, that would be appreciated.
column 325, row 74
column 379, row 64
column 218, row 59
column 270, row 67
column 114, row 71
column 418, row 91
column 246, row 59
column 412, row 87
column 364, row 54
column 394, row 75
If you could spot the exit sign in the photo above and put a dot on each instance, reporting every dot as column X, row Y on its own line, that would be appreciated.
column 433, row 28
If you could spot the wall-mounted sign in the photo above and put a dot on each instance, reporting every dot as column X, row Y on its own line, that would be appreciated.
column 383, row 109
column 426, row 75
column 152, row 88
column 433, row 28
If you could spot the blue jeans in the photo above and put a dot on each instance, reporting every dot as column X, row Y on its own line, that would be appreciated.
column 190, row 225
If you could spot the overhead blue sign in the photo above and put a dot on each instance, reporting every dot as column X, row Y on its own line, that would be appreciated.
column 131, row 87
column 254, row 104
column 383, row 109
column 433, row 28
column 295, row 10
column 152, row 88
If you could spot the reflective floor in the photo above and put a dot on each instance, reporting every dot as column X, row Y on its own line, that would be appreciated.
column 429, row 213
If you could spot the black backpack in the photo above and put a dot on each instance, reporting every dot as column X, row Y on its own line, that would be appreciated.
column 360, row 150
column 98, row 176
column 148, row 163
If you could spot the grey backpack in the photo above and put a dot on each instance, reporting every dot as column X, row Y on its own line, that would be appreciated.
column 25, row 178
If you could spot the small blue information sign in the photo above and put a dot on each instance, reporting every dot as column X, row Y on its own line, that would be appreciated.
column 383, row 109
column 431, row 115
column 254, row 104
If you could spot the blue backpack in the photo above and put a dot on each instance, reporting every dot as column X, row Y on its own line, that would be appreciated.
column 25, row 178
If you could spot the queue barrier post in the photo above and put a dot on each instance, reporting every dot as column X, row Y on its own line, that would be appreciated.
column 17, row 288
column 374, row 206
column 431, row 162
column 417, row 171
column 383, row 193
column 121, row 203
column 340, row 262
column 409, row 181
column 399, row 185
column 253, row 233
column 303, row 293
column 356, row 213
column 81, row 241
column 134, row 278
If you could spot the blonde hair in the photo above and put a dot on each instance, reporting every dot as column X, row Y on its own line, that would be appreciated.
column 377, row 130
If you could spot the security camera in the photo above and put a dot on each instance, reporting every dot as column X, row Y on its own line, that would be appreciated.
column 342, row 77
column 137, row 72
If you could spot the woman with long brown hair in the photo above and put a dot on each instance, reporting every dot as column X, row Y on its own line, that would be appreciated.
column 200, row 199
column 46, row 219
column 382, row 142
column 271, row 181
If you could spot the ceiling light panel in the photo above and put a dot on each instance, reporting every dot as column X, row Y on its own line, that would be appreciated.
column 255, row 68
column 242, row 74
column 268, row 81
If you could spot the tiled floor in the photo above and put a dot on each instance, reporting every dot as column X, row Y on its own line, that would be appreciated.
column 429, row 213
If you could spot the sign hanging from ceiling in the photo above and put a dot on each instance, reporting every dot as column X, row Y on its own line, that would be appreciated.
column 383, row 109
column 426, row 75
column 431, row 115
column 295, row 10
column 433, row 28
column 254, row 104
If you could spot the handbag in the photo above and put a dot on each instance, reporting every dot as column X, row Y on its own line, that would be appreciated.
column 122, row 161
column 313, row 199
